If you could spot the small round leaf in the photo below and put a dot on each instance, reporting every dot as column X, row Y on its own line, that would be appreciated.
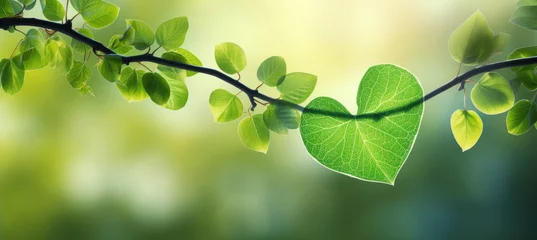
column 467, row 128
column 272, row 70
column 230, row 57
column 493, row 94
column 521, row 117
column 156, row 87
column 225, row 106
column 254, row 133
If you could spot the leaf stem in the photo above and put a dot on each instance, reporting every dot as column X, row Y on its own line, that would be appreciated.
column 16, row 47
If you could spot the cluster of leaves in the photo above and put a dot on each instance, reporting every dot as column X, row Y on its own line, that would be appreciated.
column 371, row 145
column 165, row 86
column 473, row 43
column 279, row 117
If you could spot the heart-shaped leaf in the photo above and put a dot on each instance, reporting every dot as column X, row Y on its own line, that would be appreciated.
column 493, row 94
column 467, row 128
column 521, row 117
column 472, row 43
column 374, row 144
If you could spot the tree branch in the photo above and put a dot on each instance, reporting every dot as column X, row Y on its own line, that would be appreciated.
column 253, row 94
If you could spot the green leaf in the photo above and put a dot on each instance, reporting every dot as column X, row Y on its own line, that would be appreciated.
column 225, row 106
column 80, row 46
column 26, row 2
column 525, row 16
column 156, row 87
column 178, row 92
column 110, row 67
column 230, row 57
column 190, row 59
column 12, row 77
column 272, row 70
column 527, row 78
column 171, row 34
column 59, row 53
column 523, row 3
column 143, row 36
column 131, row 85
column 29, row 60
column 53, row 10
column 86, row 90
column 254, row 133
column 493, row 94
column 17, row 7
column 33, row 39
column 500, row 42
column 79, row 75
column 374, row 144
column 524, row 52
column 6, row 10
column 473, row 42
column 118, row 46
column 466, row 127
column 30, row 6
column 521, row 117
column 172, row 72
column 280, row 118
column 297, row 87
column 97, row 13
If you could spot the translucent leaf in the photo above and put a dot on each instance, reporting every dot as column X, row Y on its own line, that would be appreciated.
column 466, row 127
column 171, row 34
column 80, row 46
column 521, row 117
column 524, row 52
column 172, row 72
column 280, row 118
column 143, row 36
column 118, row 46
column 97, row 13
column 131, row 86
column 26, row 2
column 178, row 92
column 33, row 39
column 30, row 6
column 522, row 3
column 374, row 144
column 272, row 70
column 525, row 16
column 52, row 10
column 190, row 59
column 6, row 10
column 110, row 67
column 254, row 133
column 230, row 57
column 297, row 87
column 225, row 106
column 500, row 42
column 527, row 78
column 156, row 87
column 29, row 60
column 12, row 77
column 493, row 94
column 17, row 7
column 472, row 43
column 86, row 90
column 79, row 75
column 59, row 53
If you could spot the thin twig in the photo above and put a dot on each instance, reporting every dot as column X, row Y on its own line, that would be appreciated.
column 254, row 94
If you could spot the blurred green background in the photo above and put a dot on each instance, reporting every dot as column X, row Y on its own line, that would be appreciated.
column 75, row 167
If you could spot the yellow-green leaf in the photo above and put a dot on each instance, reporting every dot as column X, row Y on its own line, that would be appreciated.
column 467, row 128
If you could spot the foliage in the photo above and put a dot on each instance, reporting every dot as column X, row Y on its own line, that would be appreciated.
column 371, row 145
